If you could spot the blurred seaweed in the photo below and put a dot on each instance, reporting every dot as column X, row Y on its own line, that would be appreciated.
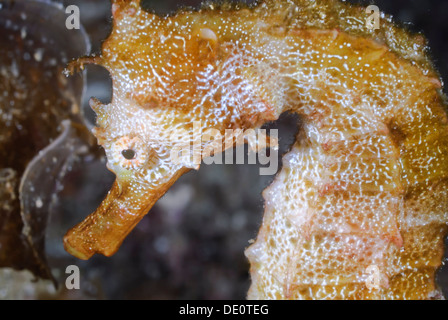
column 41, row 130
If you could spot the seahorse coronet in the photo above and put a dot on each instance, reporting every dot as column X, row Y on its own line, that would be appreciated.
column 364, row 186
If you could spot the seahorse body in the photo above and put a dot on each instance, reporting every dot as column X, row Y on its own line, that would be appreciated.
column 364, row 186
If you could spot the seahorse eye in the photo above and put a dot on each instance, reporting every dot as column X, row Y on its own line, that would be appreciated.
column 128, row 154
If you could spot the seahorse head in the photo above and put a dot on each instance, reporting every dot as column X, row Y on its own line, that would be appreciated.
column 174, row 78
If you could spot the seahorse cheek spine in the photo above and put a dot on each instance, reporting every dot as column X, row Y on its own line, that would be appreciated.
column 364, row 186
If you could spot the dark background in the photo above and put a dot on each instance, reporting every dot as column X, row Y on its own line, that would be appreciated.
column 191, row 244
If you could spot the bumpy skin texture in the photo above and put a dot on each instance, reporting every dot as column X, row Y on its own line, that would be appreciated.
column 363, row 186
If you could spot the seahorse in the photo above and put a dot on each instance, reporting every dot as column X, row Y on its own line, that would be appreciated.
column 358, row 209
